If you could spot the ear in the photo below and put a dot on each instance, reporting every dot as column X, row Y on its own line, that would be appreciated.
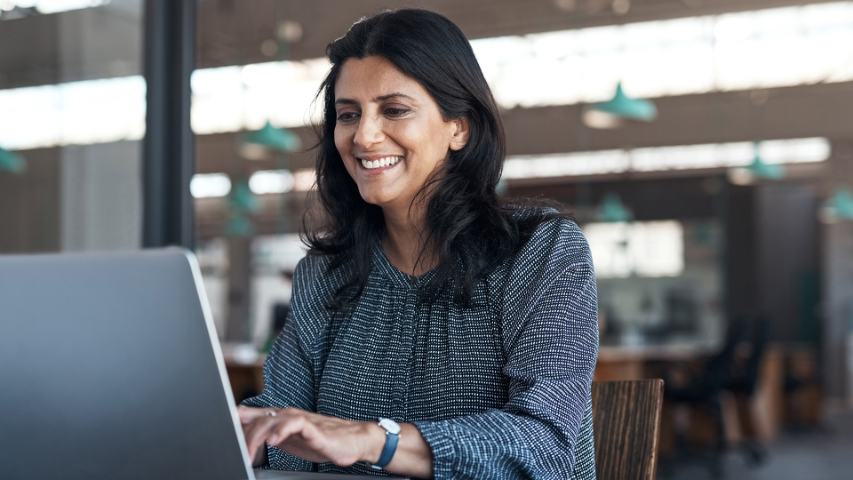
column 461, row 132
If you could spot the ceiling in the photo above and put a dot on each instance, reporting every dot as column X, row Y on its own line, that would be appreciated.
column 231, row 33
column 106, row 42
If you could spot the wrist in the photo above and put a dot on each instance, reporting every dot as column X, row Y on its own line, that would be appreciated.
column 374, row 437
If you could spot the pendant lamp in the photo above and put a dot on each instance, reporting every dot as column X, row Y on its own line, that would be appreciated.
column 242, row 202
column 613, row 210
column 621, row 107
column 11, row 162
column 757, row 169
column 838, row 207
column 258, row 144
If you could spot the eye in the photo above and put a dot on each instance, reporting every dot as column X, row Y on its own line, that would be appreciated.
column 346, row 117
column 396, row 111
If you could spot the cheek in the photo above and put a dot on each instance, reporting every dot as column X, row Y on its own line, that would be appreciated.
column 428, row 137
column 341, row 141
column 342, row 144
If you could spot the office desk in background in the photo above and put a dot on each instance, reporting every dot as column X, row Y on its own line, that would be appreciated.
column 653, row 360
column 245, row 367
column 634, row 362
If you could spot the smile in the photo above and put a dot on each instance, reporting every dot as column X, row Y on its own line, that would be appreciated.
column 382, row 162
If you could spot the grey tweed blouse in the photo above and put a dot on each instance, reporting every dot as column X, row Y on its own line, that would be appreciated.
column 499, row 389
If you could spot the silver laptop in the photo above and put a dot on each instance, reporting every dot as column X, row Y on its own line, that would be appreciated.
column 110, row 368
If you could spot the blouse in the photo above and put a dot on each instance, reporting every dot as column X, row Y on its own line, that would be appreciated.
column 499, row 388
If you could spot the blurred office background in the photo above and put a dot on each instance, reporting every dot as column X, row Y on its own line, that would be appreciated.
column 705, row 146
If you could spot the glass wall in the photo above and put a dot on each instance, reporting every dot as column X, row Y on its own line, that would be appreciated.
column 72, row 113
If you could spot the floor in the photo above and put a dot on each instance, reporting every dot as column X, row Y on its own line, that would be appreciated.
column 825, row 453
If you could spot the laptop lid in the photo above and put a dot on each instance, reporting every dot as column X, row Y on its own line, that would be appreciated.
column 110, row 368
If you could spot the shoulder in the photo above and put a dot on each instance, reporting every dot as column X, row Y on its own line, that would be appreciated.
column 555, row 249
column 312, row 272
column 315, row 282
column 556, row 243
column 550, row 285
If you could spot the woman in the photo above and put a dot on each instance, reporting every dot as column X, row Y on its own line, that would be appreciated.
column 434, row 332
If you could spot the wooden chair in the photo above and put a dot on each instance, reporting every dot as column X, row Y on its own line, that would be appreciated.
column 626, row 420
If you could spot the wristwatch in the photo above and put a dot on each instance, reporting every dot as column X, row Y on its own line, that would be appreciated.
column 392, row 436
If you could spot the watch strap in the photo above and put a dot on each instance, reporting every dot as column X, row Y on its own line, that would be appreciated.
column 391, row 440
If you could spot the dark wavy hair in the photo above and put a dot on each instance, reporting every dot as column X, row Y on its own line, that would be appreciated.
column 469, row 229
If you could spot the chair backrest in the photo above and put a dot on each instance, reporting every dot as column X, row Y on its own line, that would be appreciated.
column 626, row 420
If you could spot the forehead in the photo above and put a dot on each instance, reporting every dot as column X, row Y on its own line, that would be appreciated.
column 366, row 78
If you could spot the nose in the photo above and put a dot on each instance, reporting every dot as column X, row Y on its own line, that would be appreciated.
column 369, row 131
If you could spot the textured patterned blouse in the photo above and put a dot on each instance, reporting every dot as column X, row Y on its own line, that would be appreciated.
column 499, row 389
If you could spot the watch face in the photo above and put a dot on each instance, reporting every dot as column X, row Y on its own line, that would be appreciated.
column 389, row 425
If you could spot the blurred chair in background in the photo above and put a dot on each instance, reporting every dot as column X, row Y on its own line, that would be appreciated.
column 803, row 390
column 742, row 383
column 735, row 370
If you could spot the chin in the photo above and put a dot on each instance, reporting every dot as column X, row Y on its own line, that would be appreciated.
column 374, row 200
column 379, row 199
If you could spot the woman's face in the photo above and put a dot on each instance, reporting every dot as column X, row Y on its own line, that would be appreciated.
column 389, row 131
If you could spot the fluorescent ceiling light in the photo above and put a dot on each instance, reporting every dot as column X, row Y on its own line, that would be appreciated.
column 687, row 157
column 304, row 180
column 271, row 181
column 210, row 185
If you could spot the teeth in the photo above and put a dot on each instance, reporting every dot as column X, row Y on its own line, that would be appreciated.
column 379, row 163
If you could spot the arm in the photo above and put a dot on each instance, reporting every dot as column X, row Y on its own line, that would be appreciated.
column 288, row 382
column 551, row 352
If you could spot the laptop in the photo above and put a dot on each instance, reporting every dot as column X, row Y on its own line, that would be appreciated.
column 110, row 367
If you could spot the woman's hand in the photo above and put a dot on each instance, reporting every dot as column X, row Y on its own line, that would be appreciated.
column 311, row 436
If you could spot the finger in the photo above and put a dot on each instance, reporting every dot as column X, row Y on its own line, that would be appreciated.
column 256, row 443
column 257, row 432
column 247, row 414
column 285, row 428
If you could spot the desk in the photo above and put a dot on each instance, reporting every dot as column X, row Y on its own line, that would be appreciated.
column 630, row 362
column 633, row 362
column 245, row 368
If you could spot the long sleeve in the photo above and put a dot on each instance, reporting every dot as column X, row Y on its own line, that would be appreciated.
column 551, row 341
column 289, row 373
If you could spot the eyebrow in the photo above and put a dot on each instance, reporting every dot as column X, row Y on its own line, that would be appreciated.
column 381, row 98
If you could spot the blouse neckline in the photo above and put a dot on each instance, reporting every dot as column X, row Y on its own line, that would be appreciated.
column 384, row 266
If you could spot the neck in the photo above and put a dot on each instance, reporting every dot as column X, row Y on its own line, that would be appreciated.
column 405, row 234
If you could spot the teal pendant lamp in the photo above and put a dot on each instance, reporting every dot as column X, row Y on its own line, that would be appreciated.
column 838, row 207
column 243, row 199
column 763, row 170
column 239, row 226
column 758, row 169
column 613, row 210
column 258, row 144
column 10, row 162
column 612, row 113
column 241, row 203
